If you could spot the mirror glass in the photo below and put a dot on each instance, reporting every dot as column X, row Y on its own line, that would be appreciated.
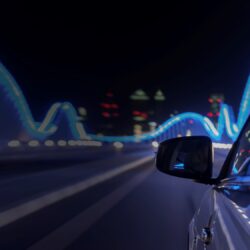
column 189, row 157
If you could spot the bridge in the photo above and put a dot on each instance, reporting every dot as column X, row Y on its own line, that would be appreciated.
column 62, row 123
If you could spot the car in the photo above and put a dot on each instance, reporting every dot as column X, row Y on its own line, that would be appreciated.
column 222, row 220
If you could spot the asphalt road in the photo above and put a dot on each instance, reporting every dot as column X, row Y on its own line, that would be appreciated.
column 115, row 202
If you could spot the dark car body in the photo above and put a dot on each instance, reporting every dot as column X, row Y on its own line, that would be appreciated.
column 222, row 221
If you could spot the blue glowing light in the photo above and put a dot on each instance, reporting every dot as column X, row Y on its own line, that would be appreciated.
column 39, row 130
column 244, row 110
column 235, row 170
column 49, row 126
column 179, row 166
column 235, row 187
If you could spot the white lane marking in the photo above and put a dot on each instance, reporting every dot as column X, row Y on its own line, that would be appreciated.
column 20, row 211
column 75, row 227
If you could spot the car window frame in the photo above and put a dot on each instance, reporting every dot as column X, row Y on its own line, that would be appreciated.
column 227, row 167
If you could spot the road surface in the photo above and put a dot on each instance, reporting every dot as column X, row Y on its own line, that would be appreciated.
column 115, row 201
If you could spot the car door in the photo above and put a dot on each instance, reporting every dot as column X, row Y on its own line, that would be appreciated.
column 223, row 219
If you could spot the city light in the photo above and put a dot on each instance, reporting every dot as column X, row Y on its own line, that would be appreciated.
column 155, row 144
column 159, row 96
column 222, row 145
column 139, row 95
column 62, row 143
column 49, row 143
column 49, row 126
column 14, row 144
column 34, row 143
column 92, row 143
column 72, row 143
column 118, row 145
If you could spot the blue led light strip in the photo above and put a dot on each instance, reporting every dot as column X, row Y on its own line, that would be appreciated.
column 48, row 127
column 39, row 130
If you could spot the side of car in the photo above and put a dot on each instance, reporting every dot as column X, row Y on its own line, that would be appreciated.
column 223, row 219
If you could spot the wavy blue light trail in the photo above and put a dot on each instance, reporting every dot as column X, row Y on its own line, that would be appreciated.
column 48, row 127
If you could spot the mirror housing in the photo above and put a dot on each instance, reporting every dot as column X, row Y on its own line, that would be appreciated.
column 187, row 157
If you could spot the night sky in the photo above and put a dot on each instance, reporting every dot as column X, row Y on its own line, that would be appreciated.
column 76, row 53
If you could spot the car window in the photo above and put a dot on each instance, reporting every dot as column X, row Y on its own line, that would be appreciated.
column 240, row 164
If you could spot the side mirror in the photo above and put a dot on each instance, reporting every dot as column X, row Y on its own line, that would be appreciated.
column 187, row 157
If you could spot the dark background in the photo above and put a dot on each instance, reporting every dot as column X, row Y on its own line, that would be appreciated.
column 75, row 52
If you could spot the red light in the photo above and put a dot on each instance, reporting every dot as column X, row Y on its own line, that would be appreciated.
column 109, row 94
column 144, row 115
column 106, row 114
column 106, row 105
column 114, row 106
column 217, row 113
column 210, row 114
column 136, row 112
column 210, row 100
column 219, row 100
